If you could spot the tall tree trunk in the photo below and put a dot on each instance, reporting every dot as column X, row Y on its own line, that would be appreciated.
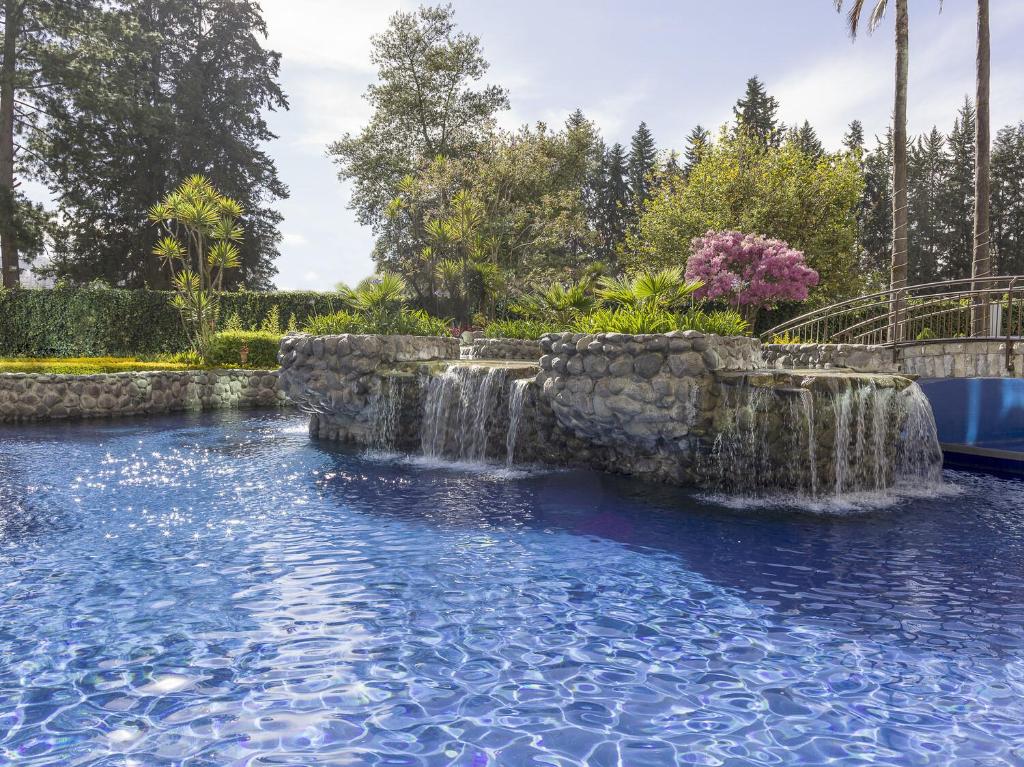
column 898, row 274
column 982, row 262
column 8, row 235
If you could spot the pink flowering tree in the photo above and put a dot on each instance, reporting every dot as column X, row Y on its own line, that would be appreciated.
column 749, row 271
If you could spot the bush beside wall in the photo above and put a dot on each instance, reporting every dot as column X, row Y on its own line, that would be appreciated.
column 90, row 321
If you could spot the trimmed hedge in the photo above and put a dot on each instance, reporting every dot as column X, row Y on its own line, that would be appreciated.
column 226, row 349
column 111, row 322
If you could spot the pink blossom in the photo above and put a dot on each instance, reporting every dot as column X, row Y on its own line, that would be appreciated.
column 749, row 270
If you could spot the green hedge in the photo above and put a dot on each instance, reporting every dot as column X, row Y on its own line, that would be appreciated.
column 89, row 321
column 226, row 349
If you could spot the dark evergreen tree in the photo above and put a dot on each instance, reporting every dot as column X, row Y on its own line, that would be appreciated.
column 585, row 161
column 615, row 200
column 670, row 169
column 927, row 172
column 187, row 86
column 1008, row 199
column 876, row 209
column 643, row 155
column 755, row 113
column 958, row 196
column 853, row 140
column 696, row 143
column 806, row 138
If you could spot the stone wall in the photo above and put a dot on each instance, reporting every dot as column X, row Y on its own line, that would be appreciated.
column 501, row 349
column 39, row 397
column 864, row 359
column 961, row 360
column 983, row 359
column 341, row 378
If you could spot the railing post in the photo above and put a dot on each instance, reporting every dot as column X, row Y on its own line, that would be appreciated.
column 1009, row 326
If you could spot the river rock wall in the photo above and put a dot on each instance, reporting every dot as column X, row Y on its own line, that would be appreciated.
column 341, row 379
column 479, row 348
column 863, row 359
column 41, row 397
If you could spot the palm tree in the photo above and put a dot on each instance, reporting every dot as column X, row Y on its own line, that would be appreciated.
column 898, row 272
column 982, row 263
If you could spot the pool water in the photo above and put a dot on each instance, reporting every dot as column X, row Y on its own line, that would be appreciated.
column 219, row 590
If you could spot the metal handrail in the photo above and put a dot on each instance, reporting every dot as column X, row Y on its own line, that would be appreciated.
column 894, row 317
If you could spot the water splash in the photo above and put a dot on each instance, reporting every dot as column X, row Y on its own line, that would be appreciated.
column 385, row 412
column 515, row 417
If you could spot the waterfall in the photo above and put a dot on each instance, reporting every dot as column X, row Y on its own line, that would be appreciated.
column 515, row 416
column 458, row 410
column 851, row 435
column 385, row 411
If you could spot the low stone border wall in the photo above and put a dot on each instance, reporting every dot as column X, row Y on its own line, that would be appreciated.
column 961, row 360
column 41, row 397
column 502, row 349
column 863, row 359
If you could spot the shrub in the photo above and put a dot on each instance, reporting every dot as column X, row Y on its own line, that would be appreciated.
column 225, row 349
column 87, row 365
column 722, row 323
column 749, row 271
column 404, row 322
column 786, row 339
column 526, row 329
column 95, row 321
column 666, row 289
column 926, row 334
column 632, row 320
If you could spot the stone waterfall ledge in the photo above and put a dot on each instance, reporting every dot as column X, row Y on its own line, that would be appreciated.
column 341, row 378
column 982, row 359
column 858, row 357
column 479, row 348
column 643, row 391
column 41, row 397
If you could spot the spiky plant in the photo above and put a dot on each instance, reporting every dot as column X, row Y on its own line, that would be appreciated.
column 200, row 240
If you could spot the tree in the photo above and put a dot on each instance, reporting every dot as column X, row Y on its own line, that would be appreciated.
column 173, row 88
column 1008, row 199
column 874, row 218
column 755, row 113
column 957, row 195
column 198, row 244
column 643, row 155
column 981, row 265
column 776, row 191
column 696, row 143
column 928, row 173
column 614, row 219
column 853, row 139
column 34, row 33
column 807, row 141
column 748, row 271
column 424, row 106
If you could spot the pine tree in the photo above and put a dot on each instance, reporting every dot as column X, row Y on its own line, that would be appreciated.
column 696, row 143
column 853, row 140
column 1008, row 199
column 755, row 113
column 586, row 156
column 958, row 196
column 188, row 84
column 876, row 209
column 806, row 139
column 642, row 161
column 615, row 199
column 927, row 173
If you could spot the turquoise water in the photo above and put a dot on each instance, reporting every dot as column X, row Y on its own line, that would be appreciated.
column 219, row 590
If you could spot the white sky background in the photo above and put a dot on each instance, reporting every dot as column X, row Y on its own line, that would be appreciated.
column 672, row 63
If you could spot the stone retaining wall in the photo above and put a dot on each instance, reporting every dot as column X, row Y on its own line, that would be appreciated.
column 983, row 359
column 863, row 359
column 40, row 397
column 341, row 378
column 501, row 349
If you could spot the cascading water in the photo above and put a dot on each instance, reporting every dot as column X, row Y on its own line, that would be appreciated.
column 458, row 409
column 385, row 414
column 515, row 417
column 851, row 436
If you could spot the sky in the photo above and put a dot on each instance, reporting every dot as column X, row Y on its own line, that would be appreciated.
column 671, row 63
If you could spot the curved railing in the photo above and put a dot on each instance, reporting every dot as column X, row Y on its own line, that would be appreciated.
column 982, row 309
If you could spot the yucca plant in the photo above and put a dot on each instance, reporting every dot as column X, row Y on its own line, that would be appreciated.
column 199, row 243
column 666, row 289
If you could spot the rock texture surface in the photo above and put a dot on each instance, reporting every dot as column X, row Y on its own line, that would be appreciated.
column 40, row 397
column 479, row 348
column 863, row 359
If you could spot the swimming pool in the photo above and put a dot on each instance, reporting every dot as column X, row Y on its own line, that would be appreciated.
column 220, row 590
